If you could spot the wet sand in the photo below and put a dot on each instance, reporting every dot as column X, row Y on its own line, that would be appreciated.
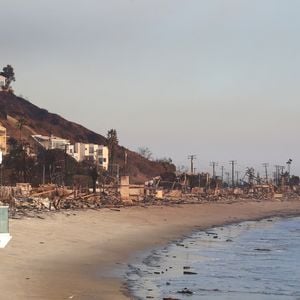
column 76, row 255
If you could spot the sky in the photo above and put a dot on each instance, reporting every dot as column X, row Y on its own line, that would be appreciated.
column 217, row 78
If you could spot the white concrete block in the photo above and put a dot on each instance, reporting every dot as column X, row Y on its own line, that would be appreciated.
column 4, row 239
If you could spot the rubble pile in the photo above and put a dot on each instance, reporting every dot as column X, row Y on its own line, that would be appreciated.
column 24, row 200
column 53, row 198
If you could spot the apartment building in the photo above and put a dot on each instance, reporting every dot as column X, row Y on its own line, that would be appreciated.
column 93, row 152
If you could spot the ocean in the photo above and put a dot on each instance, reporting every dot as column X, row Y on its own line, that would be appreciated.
column 252, row 260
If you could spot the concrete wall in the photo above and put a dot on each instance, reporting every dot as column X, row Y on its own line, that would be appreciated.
column 124, row 188
column 136, row 192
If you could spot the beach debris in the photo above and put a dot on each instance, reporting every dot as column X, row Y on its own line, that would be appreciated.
column 189, row 273
column 262, row 249
column 210, row 233
column 185, row 291
column 27, row 201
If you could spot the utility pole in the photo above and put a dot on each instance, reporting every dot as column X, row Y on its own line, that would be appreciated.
column 258, row 178
column 281, row 173
column 192, row 157
column 232, row 162
column 281, row 169
column 265, row 165
column 227, row 177
column 237, row 173
column 222, row 170
column 214, row 164
column 277, row 174
column 281, row 180
column 288, row 163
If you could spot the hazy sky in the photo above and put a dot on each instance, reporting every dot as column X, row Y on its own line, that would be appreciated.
column 215, row 78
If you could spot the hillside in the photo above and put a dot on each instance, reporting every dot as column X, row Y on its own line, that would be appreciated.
column 40, row 121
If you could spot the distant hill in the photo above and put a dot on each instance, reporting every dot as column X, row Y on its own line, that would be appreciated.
column 40, row 121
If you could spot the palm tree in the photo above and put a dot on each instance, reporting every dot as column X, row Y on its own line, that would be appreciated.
column 112, row 142
column 20, row 124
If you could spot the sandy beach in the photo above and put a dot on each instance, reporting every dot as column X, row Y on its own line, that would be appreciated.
column 76, row 254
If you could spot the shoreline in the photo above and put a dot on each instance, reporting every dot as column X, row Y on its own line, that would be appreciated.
column 77, row 254
column 160, row 272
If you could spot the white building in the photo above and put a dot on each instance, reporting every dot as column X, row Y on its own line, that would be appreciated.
column 51, row 142
column 93, row 152
column 79, row 151
column 102, row 157
column 2, row 81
